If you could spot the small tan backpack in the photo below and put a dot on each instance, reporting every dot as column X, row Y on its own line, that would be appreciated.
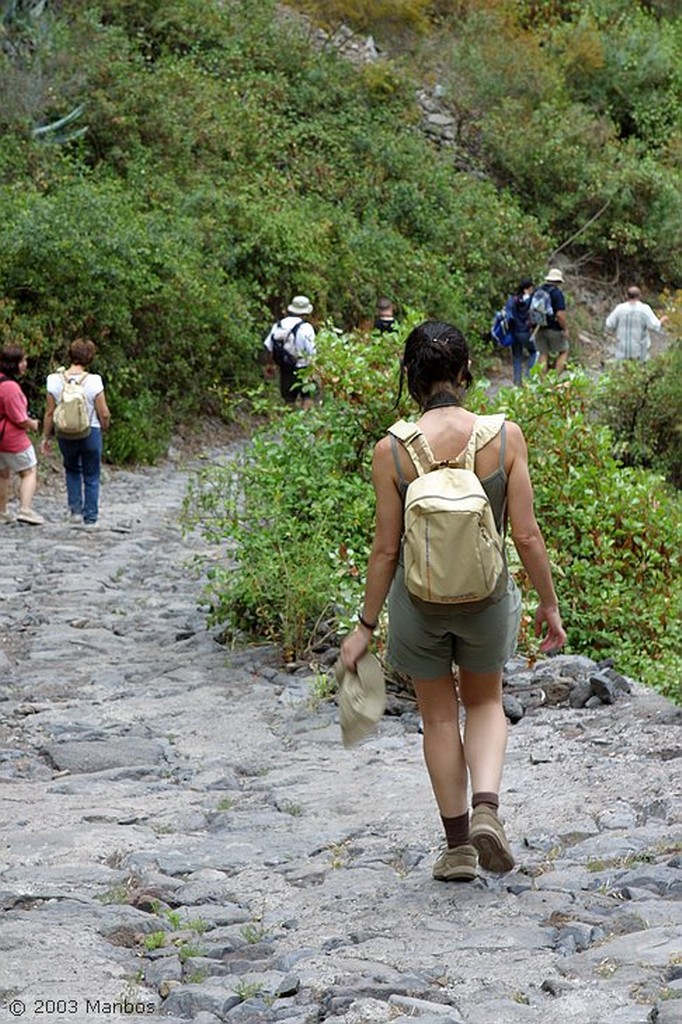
column 71, row 415
column 452, row 550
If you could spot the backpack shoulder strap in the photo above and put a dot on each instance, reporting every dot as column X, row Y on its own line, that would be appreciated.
column 415, row 444
column 485, row 429
column 291, row 336
column 74, row 378
column 402, row 480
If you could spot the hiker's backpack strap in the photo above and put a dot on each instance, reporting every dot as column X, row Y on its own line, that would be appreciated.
column 293, row 332
column 395, row 452
column 485, row 429
column 73, row 377
column 415, row 444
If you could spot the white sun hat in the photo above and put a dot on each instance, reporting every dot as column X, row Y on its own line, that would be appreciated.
column 300, row 305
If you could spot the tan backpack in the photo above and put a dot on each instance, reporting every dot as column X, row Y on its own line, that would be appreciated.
column 452, row 550
column 71, row 415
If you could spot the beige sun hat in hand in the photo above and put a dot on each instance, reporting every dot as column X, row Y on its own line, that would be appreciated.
column 362, row 698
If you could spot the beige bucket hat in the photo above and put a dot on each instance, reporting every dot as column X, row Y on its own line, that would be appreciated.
column 362, row 698
column 555, row 275
column 300, row 305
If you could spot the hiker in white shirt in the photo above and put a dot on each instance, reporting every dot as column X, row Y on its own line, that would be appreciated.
column 290, row 347
column 631, row 322
column 82, row 456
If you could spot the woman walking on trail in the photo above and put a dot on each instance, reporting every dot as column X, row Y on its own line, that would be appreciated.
column 518, row 318
column 425, row 639
column 83, row 455
column 17, row 454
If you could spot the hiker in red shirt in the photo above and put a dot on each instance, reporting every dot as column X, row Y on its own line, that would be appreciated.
column 17, row 454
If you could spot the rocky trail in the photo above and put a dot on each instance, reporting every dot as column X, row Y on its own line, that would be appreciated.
column 184, row 837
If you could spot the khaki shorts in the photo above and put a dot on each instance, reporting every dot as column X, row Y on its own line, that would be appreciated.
column 19, row 462
column 551, row 342
column 425, row 640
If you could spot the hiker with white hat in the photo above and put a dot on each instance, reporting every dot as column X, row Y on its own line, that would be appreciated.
column 551, row 338
column 290, row 346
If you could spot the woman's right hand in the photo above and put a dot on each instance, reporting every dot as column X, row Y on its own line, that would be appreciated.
column 555, row 637
column 354, row 646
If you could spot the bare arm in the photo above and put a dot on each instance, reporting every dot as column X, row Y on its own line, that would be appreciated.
column 561, row 317
column 102, row 410
column 529, row 542
column 48, row 419
column 383, row 557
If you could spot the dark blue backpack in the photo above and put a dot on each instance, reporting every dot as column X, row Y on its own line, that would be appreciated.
column 499, row 330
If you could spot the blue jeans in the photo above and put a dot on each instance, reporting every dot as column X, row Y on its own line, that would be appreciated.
column 523, row 340
column 82, row 460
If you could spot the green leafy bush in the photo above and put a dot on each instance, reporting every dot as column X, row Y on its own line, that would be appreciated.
column 157, row 313
column 582, row 123
column 642, row 404
column 287, row 507
column 614, row 534
column 139, row 431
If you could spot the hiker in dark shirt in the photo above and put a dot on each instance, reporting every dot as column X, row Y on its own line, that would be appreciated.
column 518, row 320
column 385, row 318
column 552, row 339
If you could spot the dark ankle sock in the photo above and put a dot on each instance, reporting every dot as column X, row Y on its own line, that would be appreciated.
column 456, row 830
column 491, row 799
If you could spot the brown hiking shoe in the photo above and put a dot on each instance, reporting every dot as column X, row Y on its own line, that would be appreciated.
column 487, row 836
column 458, row 864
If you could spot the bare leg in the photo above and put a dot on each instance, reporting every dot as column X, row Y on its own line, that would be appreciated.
column 543, row 362
column 443, row 752
column 561, row 361
column 28, row 481
column 4, row 489
column 485, row 732
column 485, row 744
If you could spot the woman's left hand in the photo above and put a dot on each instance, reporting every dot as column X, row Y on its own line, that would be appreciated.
column 354, row 646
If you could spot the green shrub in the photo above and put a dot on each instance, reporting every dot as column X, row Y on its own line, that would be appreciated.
column 582, row 125
column 169, row 328
column 614, row 534
column 291, row 501
column 642, row 404
column 140, row 429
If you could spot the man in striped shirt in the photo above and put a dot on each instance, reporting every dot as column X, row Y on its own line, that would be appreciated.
column 631, row 321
